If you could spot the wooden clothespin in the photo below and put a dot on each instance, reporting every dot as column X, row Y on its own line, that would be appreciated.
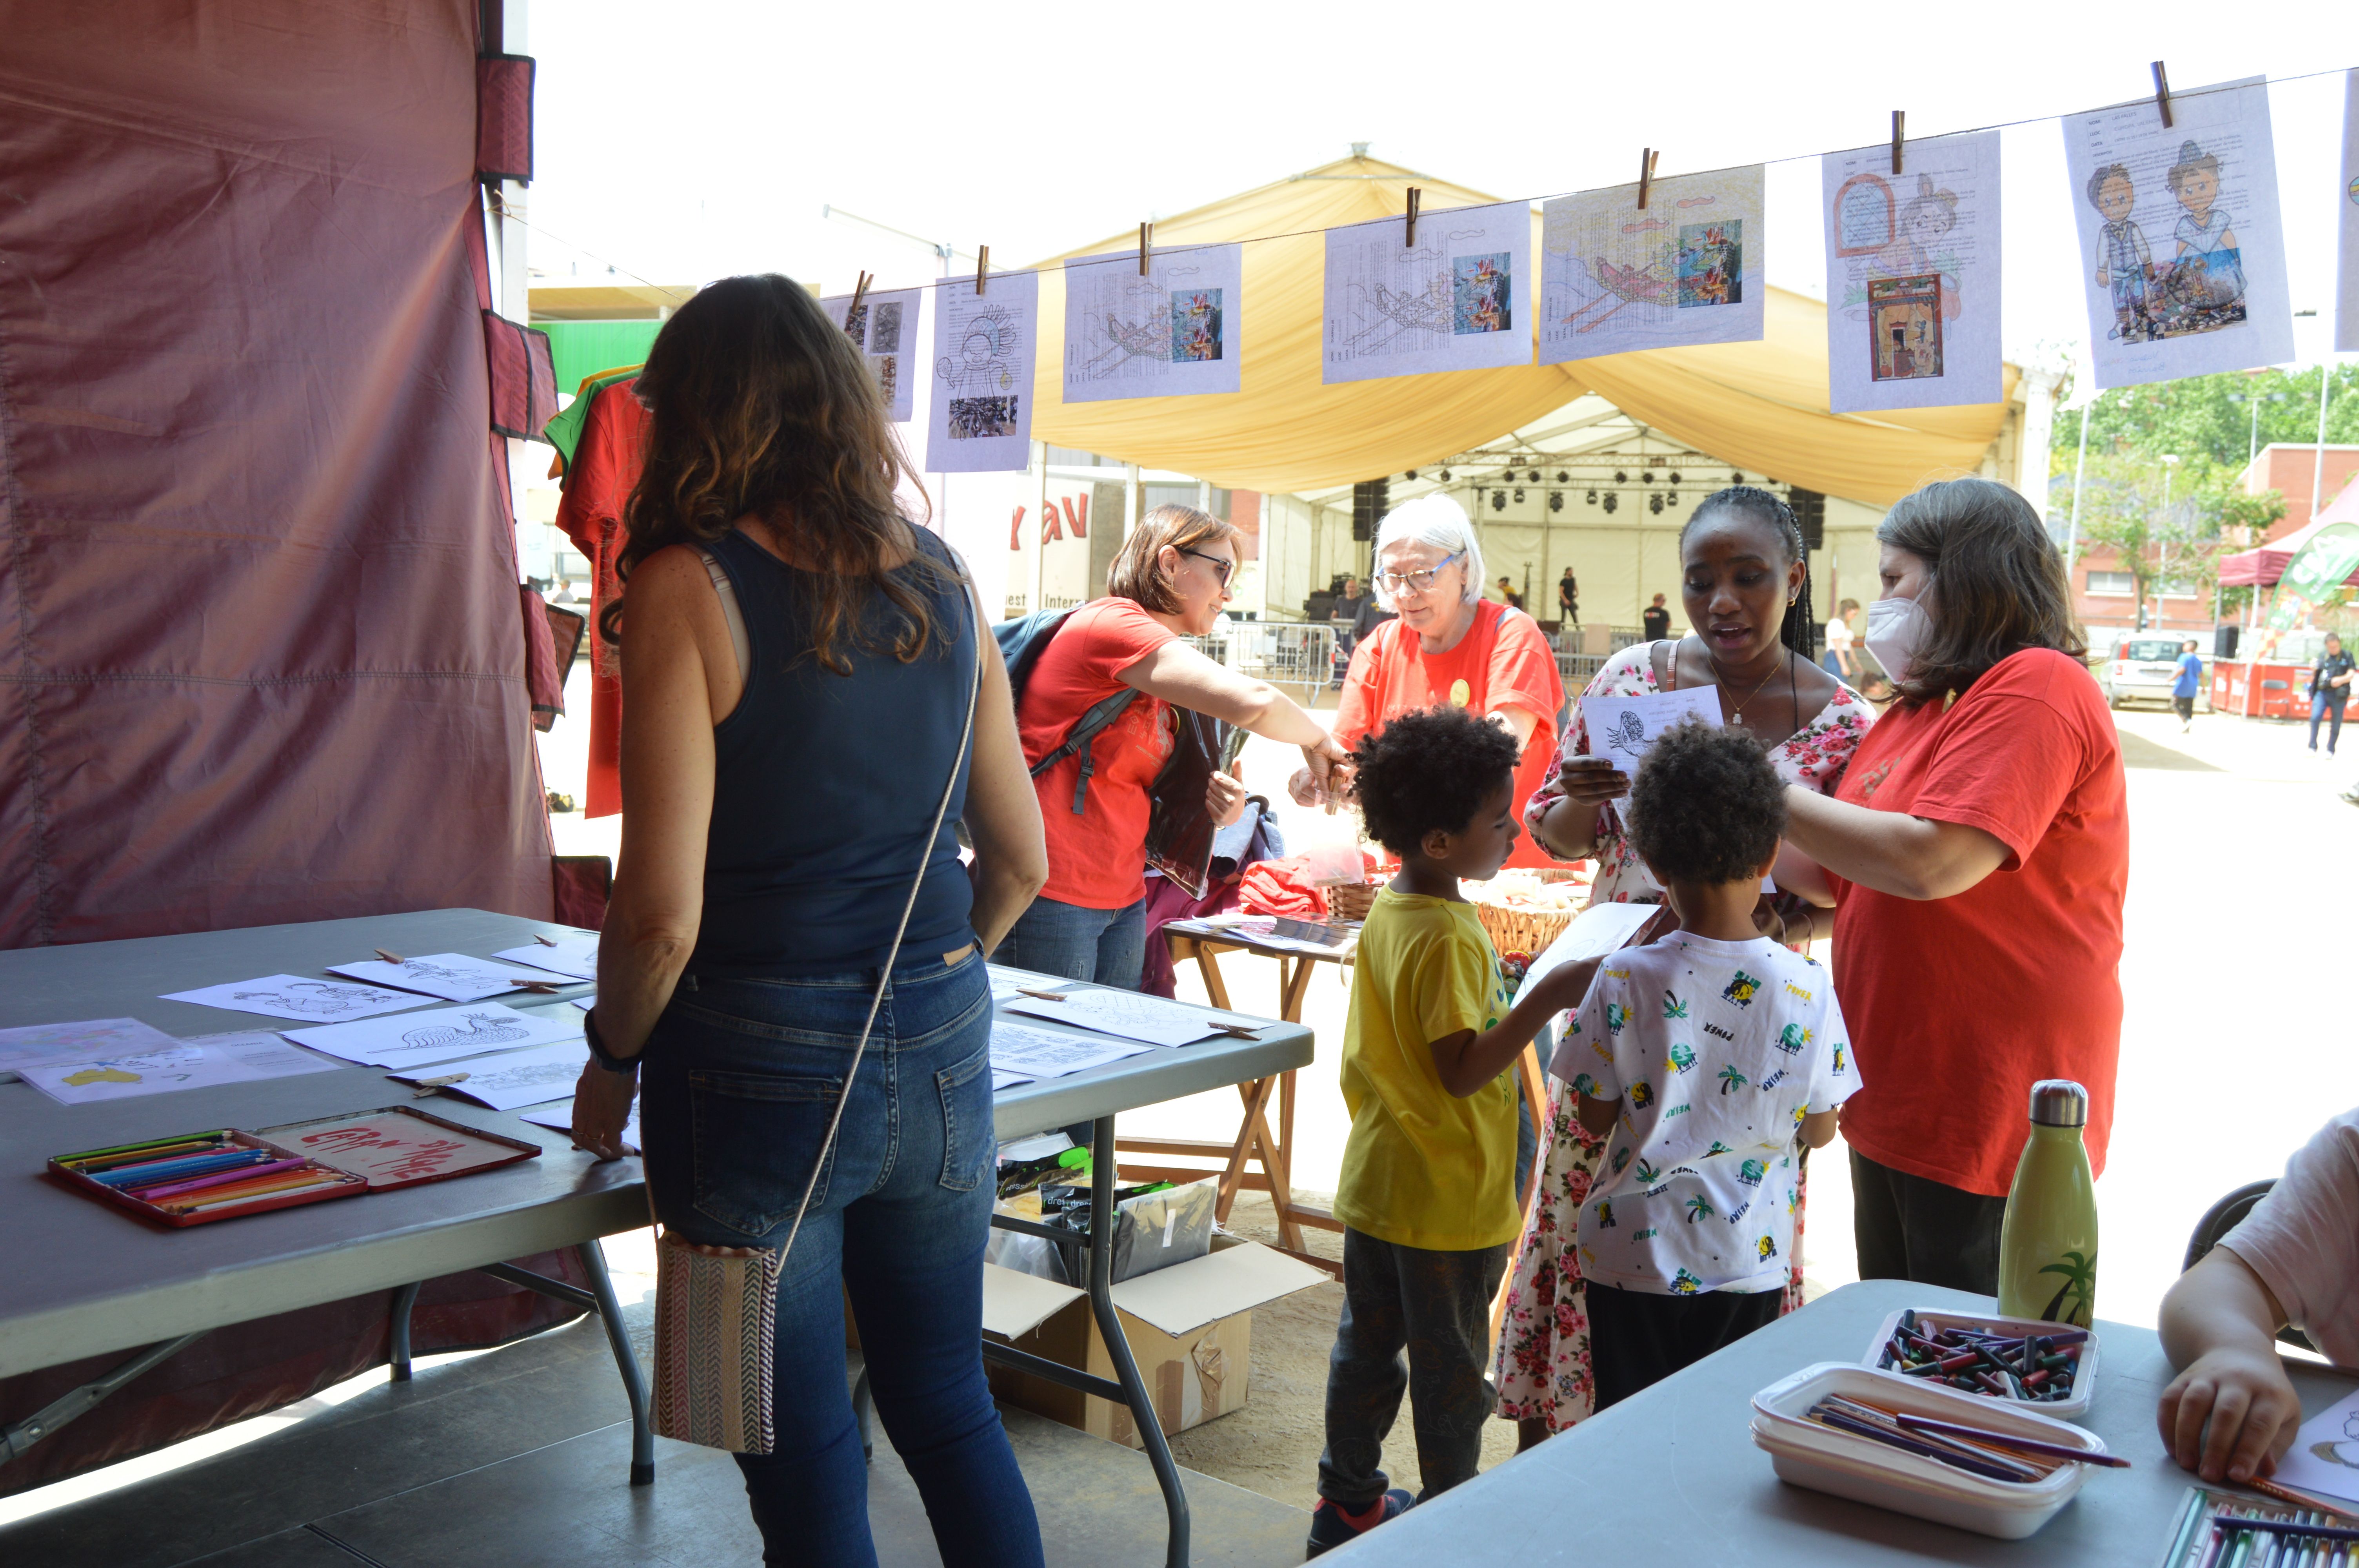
column 1237, row 1030
column 2162, row 93
column 1145, row 243
column 1646, row 158
column 391, row 958
column 1044, row 996
column 428, row 1086
column 1900, row 133
column 859, row 293
column 544, row 941
column 982, row 266
column 546, row 988
column 1410, row 241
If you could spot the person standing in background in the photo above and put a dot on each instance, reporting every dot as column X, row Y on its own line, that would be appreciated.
column 2330, row 691
column 1507, row 594
column 1837, row 660
column 1568, row 598
column 1657, row 621
column 2191, row 680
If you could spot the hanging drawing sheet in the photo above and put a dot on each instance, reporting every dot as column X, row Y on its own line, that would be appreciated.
column 885, row 331
column 2346, row 203
column 1913, row 274
column 2182, row 254
column 1687, row 270
column 1459, row 298
column 981, row 417
column 1171, row 333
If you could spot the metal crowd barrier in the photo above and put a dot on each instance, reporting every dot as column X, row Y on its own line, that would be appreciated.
column 1283, row 653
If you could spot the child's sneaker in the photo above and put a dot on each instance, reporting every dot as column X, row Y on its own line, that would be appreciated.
column 1331, row 1527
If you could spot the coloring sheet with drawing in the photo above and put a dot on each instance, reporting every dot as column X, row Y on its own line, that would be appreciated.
column 514, row 1079
column 1039, row 1054
column 2346, row 205
column 1131, row 1015
column 441, row 1035
column 292, row 996
column 42, row 1044
column 1626, row 728
column 1913, row 274
column 885, row 333
column 981, row 416
column 1459, row 298
column 558, row 1117
column 1172, row 333
column 1600, row 929
column 453, row 976
column 574, row 955
column 2325, row 1453
column 2182, row 258
column 1687, row 270
column 236, row 1058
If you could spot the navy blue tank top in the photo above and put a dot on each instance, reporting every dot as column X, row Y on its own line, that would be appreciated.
column 824, row 785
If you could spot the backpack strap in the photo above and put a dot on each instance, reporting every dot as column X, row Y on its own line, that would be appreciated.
column 1079, row 738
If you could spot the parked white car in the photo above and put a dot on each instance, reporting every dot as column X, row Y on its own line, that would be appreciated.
column 2144, row 669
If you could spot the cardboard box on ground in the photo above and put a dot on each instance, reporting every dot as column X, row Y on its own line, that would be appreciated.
column 1189, row 1328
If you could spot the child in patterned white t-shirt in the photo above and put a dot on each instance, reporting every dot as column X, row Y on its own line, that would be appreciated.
column 1710, row 1054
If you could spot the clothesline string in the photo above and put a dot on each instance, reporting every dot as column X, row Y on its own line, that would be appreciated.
column 2176, row 95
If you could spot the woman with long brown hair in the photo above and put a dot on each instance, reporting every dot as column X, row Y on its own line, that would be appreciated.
column 1977, row 854
column 801, row 666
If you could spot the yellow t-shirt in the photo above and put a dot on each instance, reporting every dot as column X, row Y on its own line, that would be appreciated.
column 1423, row 1168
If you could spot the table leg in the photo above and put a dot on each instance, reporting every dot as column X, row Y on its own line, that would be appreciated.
column 1126, row 1369
column 1208, row 964
column 15, row 1440
column 1256, row 1096
column 404, row 1300
column 618, row 1337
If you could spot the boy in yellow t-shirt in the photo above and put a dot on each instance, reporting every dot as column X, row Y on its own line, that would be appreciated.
column 1428, row 1190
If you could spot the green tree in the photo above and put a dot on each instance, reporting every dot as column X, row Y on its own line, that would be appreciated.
column 2220, row 418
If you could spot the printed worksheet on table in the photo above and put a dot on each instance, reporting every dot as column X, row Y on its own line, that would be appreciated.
column 293, row 996
column 441, row 1035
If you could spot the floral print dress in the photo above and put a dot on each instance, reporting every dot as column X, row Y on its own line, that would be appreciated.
column 1543, row 1368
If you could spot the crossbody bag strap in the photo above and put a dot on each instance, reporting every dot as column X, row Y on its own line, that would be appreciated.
column 884, row 979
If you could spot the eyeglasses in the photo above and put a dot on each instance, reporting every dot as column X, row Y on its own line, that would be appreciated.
column 1220, row 564
column 1421, row 582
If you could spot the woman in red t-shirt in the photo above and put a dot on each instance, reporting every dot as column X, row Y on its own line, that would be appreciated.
column 1976, row 853
column 1448, row 644
column 1168, row 583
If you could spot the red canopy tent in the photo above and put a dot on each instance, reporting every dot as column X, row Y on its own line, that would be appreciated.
column 2263, row 566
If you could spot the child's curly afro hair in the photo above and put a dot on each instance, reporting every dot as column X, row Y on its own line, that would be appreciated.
column 1429, row 770
column 1706, row 806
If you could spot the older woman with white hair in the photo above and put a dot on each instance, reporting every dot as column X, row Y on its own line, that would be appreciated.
column 1448, row 644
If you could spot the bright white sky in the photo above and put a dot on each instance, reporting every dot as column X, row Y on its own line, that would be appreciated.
column 690, row 141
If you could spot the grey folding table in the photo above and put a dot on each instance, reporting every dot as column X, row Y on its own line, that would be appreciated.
column 111, row 1282
column 1673, row 1475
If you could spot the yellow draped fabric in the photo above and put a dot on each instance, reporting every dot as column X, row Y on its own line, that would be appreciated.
column 1760, row 405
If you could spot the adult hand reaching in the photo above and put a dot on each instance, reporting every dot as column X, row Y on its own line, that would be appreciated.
column 601, row 1106
column 1326, row 775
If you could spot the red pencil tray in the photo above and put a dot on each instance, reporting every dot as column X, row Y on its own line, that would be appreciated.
column 454, row 1139
column 351, row 1187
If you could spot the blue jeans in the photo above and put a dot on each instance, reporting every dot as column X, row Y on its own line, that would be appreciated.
column 1105, row 945
column 2331, row 708
column 740, row 1080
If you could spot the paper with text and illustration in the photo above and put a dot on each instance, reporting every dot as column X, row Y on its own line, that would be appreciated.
column 558, row 1117
column 1043, row 1053
column 1170, row 332
column 293, row 996
column 2182, row 254
column 885, row 331
column 512, row 1079
column 1459, row 298
column 2346, row 208
column 979, row 419
column 1685, row 271
column 240, row 1056
column 453, row 976
column 83, row 1039
column 2325, row 1455
column 1623, row 730
column 441, row 1035
column 576, row 956
column 1913, row 274
column 1133, row 1016
column 1600, row 929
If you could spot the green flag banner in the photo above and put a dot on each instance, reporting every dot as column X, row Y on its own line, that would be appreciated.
column 2317, row 574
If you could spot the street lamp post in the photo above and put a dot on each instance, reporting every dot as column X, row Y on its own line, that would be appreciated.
column 2169, row 463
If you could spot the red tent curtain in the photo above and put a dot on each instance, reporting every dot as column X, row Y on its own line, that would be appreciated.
column 262, row 659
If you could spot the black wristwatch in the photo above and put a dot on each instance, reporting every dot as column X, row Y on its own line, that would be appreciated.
column 598, row 1052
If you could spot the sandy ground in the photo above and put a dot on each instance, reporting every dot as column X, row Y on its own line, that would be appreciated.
column 2235, row 1045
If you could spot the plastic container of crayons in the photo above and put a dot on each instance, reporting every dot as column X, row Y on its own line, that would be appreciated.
column 199, row 1177
column 1985, row 1354
column 1838, row 1427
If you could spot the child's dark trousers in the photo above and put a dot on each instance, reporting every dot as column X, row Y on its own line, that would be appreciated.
column 1636, row 1339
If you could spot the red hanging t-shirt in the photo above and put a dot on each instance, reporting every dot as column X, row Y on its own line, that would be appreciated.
column 1957, row 1006
column 605, row 467
column 1097, row 858
column 1504, row 659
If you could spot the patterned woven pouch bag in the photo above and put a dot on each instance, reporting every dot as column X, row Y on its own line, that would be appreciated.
column 716, row 1310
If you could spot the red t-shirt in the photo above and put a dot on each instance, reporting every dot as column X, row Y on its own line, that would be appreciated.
column 1503, row 660
column 1097, row 859
column 1957, row 1006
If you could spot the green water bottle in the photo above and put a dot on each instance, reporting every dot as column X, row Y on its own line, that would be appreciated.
column 2047, row 1244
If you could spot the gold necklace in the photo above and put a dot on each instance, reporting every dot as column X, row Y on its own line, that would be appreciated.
column 1737, row 712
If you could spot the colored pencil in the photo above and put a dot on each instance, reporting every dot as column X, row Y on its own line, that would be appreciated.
column 291, row 1184
column 90, row 1164
column 153, row 1143
column 220, row 1178
column 245, row 1189
column 167, row 1170
column 2008, row 1439
column 2285, row 1493
column 2286, row 1527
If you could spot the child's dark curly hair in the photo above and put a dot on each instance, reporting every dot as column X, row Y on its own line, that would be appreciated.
column 1428, row 770
column 1706, row 806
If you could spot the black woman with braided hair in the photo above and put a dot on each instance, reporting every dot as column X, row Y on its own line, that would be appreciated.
column 1745, row 582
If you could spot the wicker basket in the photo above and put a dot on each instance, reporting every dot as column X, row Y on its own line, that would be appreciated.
column 1517, row 930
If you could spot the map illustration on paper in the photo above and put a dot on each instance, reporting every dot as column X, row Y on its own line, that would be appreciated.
column 1913, row 273
column 1454, row 298
column 1170, row 332
column 1685, row 269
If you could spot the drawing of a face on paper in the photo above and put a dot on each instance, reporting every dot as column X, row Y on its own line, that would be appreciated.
column 1480, row 298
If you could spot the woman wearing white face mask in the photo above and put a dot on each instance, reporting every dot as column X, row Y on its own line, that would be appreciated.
column 1977, row 853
